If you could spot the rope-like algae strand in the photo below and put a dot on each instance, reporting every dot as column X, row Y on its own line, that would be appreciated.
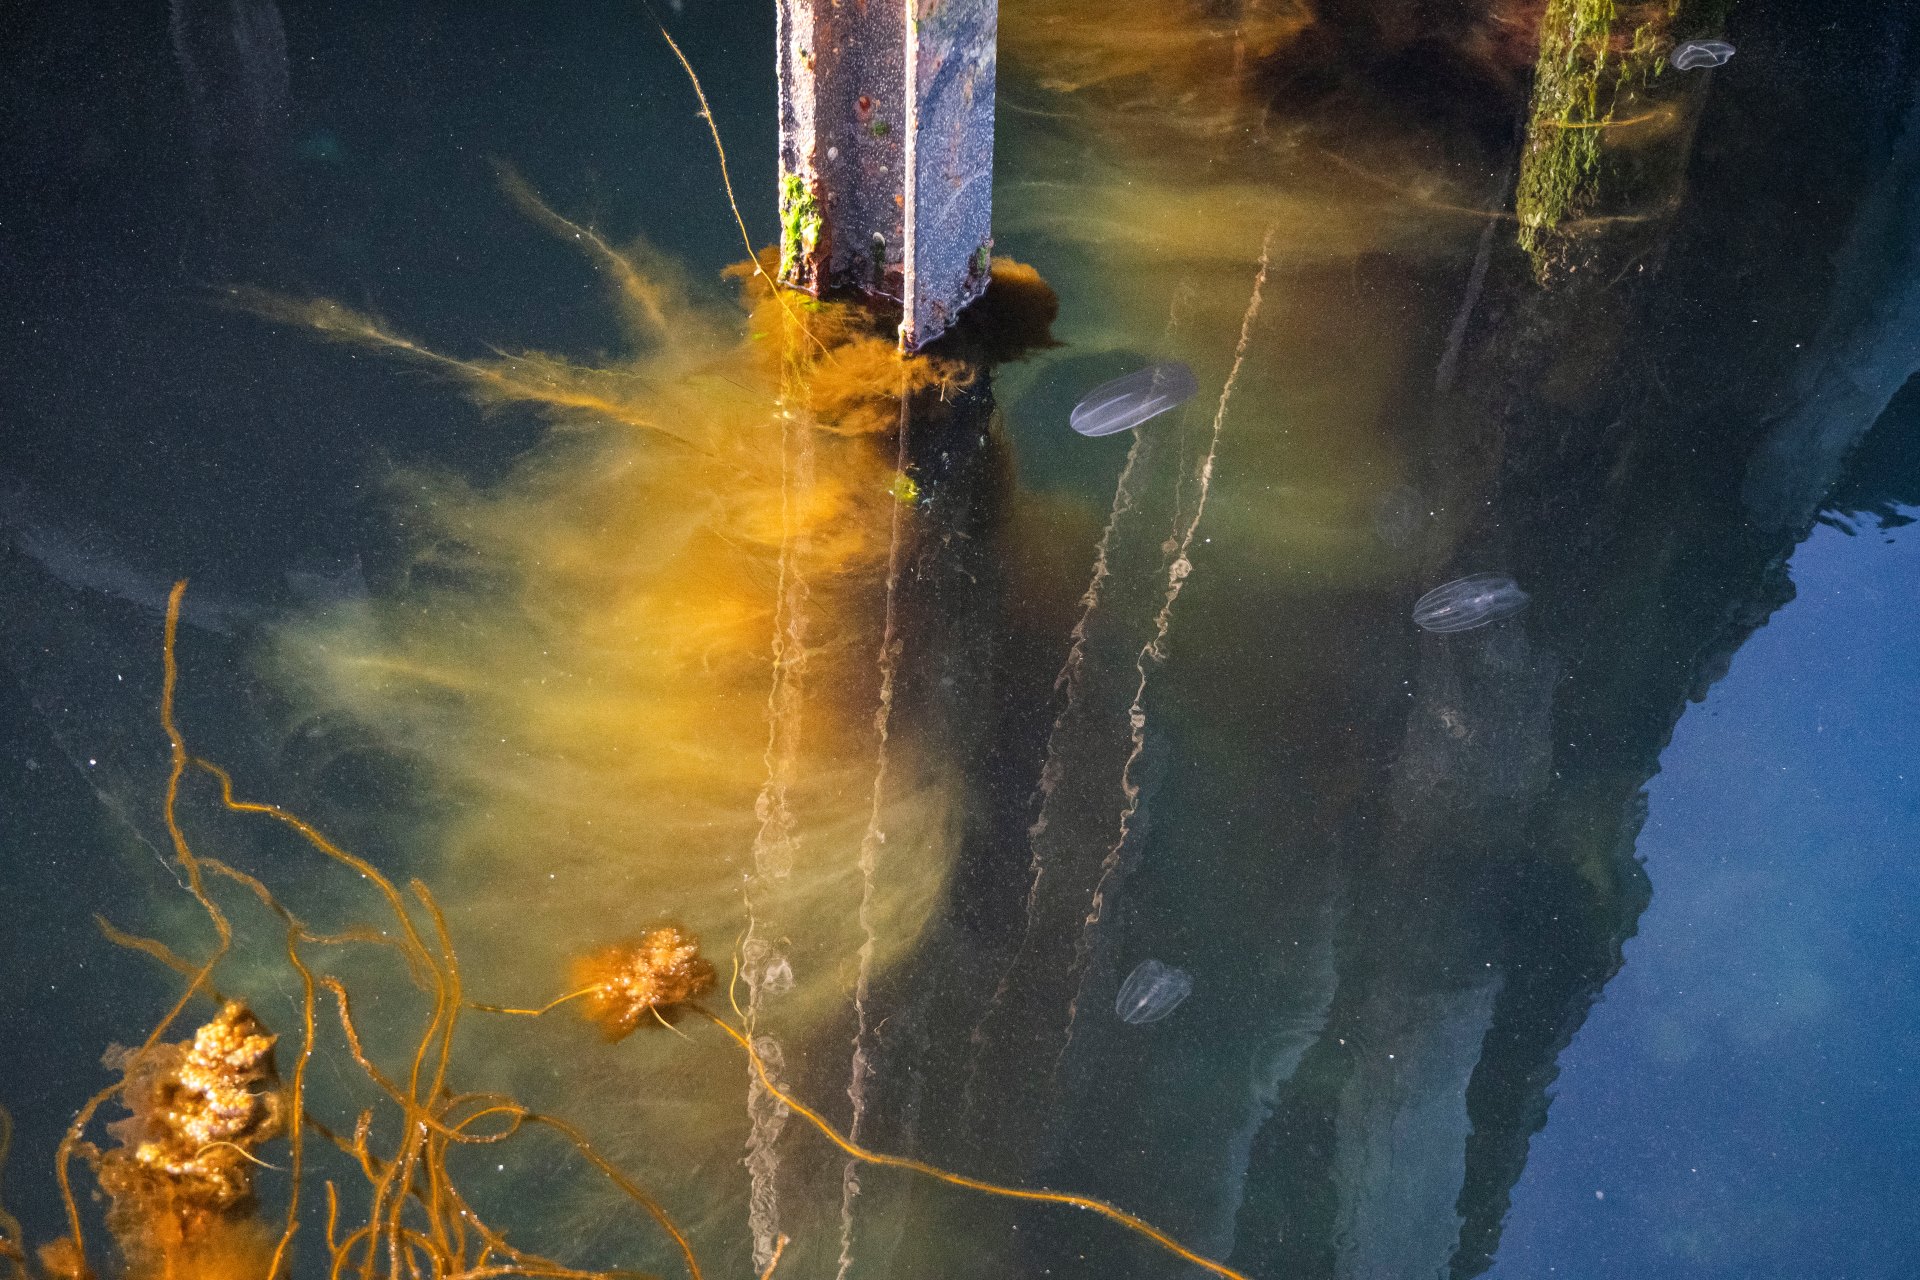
column 774, row 839
column 720, row 149
column 726, row 180
column 177, row 759
column 424, row 1100
column 1067, row 683
column 779, row 1247
column 550, row 1005
column 1153, row 652
column 13, row 1241
column 1038, row 1195
column 153, row 947
column 297, row 1088
column 432, row 1120
column 871, row 838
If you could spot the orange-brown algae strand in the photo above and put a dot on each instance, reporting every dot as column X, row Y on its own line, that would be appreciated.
column 61, row 1260
column 181, row 1181
column 629, row 984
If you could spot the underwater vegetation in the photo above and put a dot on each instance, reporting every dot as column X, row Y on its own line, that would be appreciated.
column 628, row 983
column 1128, row 401
column 1597, row 100
column 1151, row 992
column 179, row 1179
column 646, row 673
column 1213, row 103
column 180, row 1174
column 641, row 674
column 1210, row 125
column 647, row 678
column 1469, row 602
column 1142, row 56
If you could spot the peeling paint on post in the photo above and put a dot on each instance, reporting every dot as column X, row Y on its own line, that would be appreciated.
column 886, row 153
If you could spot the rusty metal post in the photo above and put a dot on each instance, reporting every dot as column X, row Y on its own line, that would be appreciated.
column 886, row 153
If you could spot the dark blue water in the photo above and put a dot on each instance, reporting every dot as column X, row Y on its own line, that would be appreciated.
column 1734, row 1105
column 1579, row 945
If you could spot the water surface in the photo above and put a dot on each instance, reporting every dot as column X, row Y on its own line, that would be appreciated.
column 1575, row 945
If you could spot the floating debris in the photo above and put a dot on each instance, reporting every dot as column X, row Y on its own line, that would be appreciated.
column 1151, row 992
column 1116, row 406
column 1691, row 54
column 179, row 1181
column 643, row 982
column 1466, row 603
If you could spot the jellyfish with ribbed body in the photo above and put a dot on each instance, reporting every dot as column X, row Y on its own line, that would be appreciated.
column 1151, row 992
column 1469, row 603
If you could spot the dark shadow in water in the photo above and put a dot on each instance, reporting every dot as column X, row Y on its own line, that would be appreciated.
column 1427, row 876
column 1442, row 873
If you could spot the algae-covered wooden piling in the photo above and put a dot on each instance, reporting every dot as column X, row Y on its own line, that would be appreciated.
column 886, row 154
column 1610, row 122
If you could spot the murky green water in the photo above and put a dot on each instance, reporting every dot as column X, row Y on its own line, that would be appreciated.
column 1580, row 944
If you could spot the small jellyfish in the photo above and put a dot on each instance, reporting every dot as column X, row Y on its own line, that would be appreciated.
column 1151, row 992
column 1127, row 402
column 1466, row 603
column 1689, row 54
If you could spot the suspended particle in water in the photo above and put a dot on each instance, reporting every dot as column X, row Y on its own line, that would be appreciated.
column 1151, row 992
column 1113, row 407
column 1398, row 516
column 1466, row 603
column 1690, row 54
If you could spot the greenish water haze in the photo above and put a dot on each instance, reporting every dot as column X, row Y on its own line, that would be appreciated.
column 1582, row 945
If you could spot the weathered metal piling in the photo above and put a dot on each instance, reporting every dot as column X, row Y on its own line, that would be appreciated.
column 886, row 153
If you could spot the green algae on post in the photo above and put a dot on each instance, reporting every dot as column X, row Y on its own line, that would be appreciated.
column 800, row 222
column 1596, row 57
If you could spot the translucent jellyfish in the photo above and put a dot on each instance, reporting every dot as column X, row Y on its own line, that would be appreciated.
column 1689, row 54
column 1151, row 992
column 1127, row 402
column 1466, row 603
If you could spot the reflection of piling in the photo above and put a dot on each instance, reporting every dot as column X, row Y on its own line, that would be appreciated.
column 886, row 154
column 1609, row 132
